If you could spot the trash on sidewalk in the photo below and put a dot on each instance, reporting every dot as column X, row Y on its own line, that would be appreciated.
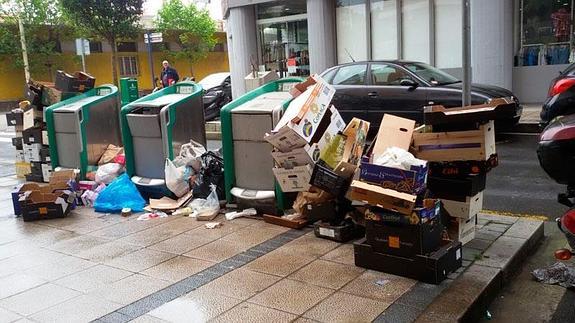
column 110, row 154
column 183, row 211
column 107, row 173
column 167, row 204
column 177, row 178
column 152, row 215
column 213, row 225
column 558, row 273
column 206, row 209
column 236, row 214
column 121, row 193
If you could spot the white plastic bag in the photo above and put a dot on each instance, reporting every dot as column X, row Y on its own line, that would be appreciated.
column 398, row 158
column 206, row 208
column 190, row 155
column 176, row 178
column 108, row 173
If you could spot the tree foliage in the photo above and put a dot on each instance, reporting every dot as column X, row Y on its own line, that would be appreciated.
column 193, row 29
column 109, row 19
column 44, row 26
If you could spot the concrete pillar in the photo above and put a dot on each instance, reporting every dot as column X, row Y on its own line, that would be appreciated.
column 321, row 34
column 492, row 42
column 242, row 44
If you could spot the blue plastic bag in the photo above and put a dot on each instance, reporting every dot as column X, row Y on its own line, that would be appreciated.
column 121, row 193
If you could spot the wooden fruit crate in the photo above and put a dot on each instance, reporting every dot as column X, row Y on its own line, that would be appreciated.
column 455, row 145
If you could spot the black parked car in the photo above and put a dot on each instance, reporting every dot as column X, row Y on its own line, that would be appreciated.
column 217, row 93
column 367, row 90
column 561, row 97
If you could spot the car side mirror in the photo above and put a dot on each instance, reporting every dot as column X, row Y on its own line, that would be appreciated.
column 408, row 82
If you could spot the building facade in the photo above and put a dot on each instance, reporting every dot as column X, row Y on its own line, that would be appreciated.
column 517, row 44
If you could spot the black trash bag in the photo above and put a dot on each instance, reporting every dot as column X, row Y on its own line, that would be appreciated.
column 212, row 172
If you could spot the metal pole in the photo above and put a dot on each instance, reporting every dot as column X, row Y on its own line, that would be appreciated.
column 151, row 59
column 466, row 13
column 83, row 57
column 24, row 50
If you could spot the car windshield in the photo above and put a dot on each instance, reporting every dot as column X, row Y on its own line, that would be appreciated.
column 431, row 74
column 213, row 80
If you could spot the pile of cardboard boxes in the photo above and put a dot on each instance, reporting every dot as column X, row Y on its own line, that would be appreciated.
column 31, row 141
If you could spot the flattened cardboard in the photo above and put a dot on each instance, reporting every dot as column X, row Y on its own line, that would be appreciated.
column 385, row 198
column 166, row 203
column 393, row 132
column 295, row 179
column 356, row 133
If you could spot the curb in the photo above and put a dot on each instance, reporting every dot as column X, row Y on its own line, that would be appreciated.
column 530, row 127
column 470, row 294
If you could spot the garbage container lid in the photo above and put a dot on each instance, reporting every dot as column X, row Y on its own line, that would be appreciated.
column 163, row 100
column 77, row 105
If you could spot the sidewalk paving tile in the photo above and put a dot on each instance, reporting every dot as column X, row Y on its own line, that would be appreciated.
column 291, row 296
column 177, row 268
column 379, row 286
column 342, row 254
column 37, row 299
column 130, row 289
column 279, row 262
column 180, row 244
column 216, row 251
column 93, row 278
column 80, row 309
column 327, row 274
column 343, row 307
column 139, row 260
column 240, row 284
column 248, row 312
column 194, row 307
column 7, row 316
column 17, row 283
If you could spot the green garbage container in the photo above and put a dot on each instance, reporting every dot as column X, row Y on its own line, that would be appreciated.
column 155, row 127
column 249, row 180
column 75, row 128
column 128, row 90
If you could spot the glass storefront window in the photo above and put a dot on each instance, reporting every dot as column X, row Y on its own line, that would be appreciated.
column 546, row 32
column 351, row 25
column 384, row 29
column 415, row 26
column 277, row 9
column 285, row 47
column 448, row 33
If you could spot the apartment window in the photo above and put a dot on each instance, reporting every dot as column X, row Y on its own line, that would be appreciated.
column 95, row 46
column 384, row 29
column 351, row 18
column 127, row 47
column 128, row 65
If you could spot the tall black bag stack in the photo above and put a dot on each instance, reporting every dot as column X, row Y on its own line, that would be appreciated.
column 459, row 144
column 404, row 229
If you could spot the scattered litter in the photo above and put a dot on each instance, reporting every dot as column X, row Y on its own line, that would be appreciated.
column 183, row 211
column 126, row 211
column 382, row 282
column 213, row 225
column 558, row 273
column 177, row 178
column 121, row 193
column 488, row 315
column 152, row 215
column 206, row 209
column 168, row 204
column 107, row 173
column 236, row 214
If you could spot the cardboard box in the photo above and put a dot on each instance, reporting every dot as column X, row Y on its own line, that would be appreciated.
column 314, row 102
column 432, row 268
column 297, row 157
column 429, row 210
column 456, row 188
column 393, row 132
column 334, row 181
column 411, row 181
column 356, row 132
column 45, row 138
column 50, row 95
column 293, row 179
column 32, row 152
column 30, row 117
column 45, row 155
column 463, row 168
column 19, row 156
column 404, row 240
column 46, row 172
column 319, row 211
column 456, row 145
column 340, row 233
column 15, row 118
column 30, row 187
column 500, row 108
column 17, row 142
column 22, row 168
column 383, row 197
column 36, row 205
column 465, row 210
column 461, row 229
column 32, row 136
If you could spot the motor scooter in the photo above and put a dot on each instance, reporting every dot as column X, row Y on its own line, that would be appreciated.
column 556, row 153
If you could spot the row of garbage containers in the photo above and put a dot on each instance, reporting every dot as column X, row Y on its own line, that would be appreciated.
column 150, row 128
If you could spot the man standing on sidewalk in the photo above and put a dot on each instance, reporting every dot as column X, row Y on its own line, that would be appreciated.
column 169, row 74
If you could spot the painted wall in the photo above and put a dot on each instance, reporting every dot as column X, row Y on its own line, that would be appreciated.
column 531, row 83
column 99, row 65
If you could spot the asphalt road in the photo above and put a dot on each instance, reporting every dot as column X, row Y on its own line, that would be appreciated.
column 519, row 185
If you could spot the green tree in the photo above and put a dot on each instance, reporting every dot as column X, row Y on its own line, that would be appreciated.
column 44, row 26
column 192, row 28
column 110, row 20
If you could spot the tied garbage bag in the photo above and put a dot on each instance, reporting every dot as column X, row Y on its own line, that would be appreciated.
column 108, row 172
column 558, row 273
column 177, row 178
column 211, row 173
column 121, row 193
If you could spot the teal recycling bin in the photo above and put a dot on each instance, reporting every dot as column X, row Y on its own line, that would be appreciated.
column 128, row 90
column 155, row 127
column 248, row 163
column 80, row 128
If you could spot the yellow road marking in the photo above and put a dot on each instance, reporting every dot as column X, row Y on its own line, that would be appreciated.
column 539, row 217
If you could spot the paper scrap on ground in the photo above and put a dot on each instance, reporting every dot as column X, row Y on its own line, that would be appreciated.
column 236, row 214
column 213, row 225
column 152, row 215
